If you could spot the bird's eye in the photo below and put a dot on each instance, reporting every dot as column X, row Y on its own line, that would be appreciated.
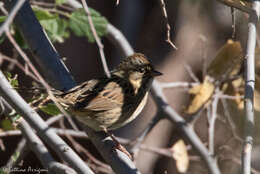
column 142, row 70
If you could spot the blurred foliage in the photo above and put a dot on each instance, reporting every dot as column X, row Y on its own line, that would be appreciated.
column 80, row 26
column 50, row 109
column 60, row 2
column 12, row 79
column 58, row 24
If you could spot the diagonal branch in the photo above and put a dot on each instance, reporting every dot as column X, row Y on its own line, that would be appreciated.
column 5, row 26
column 42, row 152
column 98, row 41
column 54, row 141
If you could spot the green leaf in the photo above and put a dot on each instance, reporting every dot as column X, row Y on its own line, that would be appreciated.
column 2, row 18
column 50, row 109
column 6, row 124
column 19, row 39
column 79, row 24
column 60, row 2
column 43, row 14
column 55, row 27
column 4, row 170
column 2, row 38
column 12, row 79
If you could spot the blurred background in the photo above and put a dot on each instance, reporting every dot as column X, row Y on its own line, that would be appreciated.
column 198, row 29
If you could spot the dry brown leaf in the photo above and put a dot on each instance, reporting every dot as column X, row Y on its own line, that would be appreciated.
column 227, row 62
column 180, row 154
column 202, row 94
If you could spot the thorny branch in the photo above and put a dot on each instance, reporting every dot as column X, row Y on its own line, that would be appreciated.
column 250, row 87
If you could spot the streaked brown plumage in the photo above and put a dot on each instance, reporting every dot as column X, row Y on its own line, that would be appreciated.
column 109, row 103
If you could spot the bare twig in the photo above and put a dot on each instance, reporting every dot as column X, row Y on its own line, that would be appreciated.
column 42, row 152
column 118, row 160
column 39, row 76
column 81, row 149
column 177, row 84
column 233, row 22
column 44, row 53
column 249, row 87
column 168, row 27
column 117, row 2
column 238, row 161
column 187, row 129
column 138, row 142
column 19, row 65
column 212, row 121
column 5, row 26
column 230, row 97
column 55, row 142
column 22, row 150
column 98, row 41
column 191, row 73
column 171, row 114
column 3, row 9
column 232, row 125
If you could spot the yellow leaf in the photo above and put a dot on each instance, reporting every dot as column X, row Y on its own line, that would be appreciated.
column 227, row 62
column 202, row 95
column 180, row 154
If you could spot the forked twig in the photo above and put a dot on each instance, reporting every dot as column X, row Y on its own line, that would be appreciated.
column 168, row 27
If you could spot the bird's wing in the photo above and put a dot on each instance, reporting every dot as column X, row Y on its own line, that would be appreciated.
column 110, row 97
column 73, row 95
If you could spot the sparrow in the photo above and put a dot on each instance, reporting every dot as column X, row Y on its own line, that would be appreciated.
column 109, row 103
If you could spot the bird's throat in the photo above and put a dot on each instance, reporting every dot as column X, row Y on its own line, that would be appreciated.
column 136, row 84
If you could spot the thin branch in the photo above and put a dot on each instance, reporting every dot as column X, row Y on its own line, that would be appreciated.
column 191, row 73
column 44, row 53
column 168, row 27
column 177, row 84
column 118, row 160
column 172, row 115
column 39, row 76
column 71, row 132
column 241, row 5
column 233, row 22
column 98, row 41
column 5, row 26
column 19, row 65
column 212, row 121
column 22, row 150
column 138, row 142
column 187, row 129
column 80, row 149
column 42, row 152
column 232, row 125
column 230, row 97
column 249, row 88
column 54, row 141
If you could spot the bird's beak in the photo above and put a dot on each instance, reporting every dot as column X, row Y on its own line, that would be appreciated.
column 156, row 73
